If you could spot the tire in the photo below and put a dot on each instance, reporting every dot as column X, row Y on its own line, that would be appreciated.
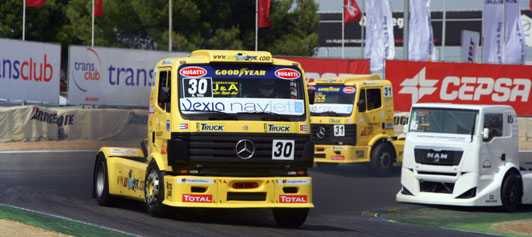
column 290, row 217
column 511, row 192
column 154, row 191
column 382, row 159
column 101, row 182
column 326, row 166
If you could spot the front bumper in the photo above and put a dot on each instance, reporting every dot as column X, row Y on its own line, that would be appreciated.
column 341, row 154
column 411, row 190
column 238, row 192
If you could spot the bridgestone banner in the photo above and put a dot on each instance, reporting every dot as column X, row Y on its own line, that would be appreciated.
column 35, row 123
column 316, row 68
column 29, row 71
column 460, row 83
column 108, row 76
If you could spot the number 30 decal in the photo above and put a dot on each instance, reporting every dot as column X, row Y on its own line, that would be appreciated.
column 283, row 149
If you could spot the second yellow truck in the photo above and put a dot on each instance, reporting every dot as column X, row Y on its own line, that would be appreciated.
column 353, row 122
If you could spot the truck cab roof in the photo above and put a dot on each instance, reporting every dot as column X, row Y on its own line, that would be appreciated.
column 226, row 56
column 353, row 80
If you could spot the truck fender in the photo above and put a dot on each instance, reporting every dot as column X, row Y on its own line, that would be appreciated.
column 158, row 160
column 381, row 139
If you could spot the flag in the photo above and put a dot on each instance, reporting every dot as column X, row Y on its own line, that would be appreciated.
column 514, row 43
column 470, row 41
column 493, row 42
column 352, row 11
column 98, row 8
column 420, row 37
column 264, row 12
column 379, row 34
column 35, row 3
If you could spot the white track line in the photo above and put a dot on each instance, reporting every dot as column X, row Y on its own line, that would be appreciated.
column 70, row 219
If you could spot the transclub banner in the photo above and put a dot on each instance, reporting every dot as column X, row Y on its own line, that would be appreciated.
column 460, row 83
column 316, row 68
column 109, row 76
column 29, row 71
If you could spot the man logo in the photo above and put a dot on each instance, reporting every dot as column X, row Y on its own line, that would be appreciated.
column 245, row 149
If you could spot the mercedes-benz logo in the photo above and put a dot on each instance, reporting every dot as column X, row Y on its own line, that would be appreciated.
column 321, row 132
column 245, row 149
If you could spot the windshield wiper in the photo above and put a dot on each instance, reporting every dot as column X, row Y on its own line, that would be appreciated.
column 268, row 115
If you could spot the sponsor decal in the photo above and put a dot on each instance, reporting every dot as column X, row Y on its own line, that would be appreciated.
column 389, row 125
column 137, row 119
column 287, row 73
column 168, row 125
column 334, row 120
column 130, row 182
column 303, row 128
column 225, row 88
column 359, row 154
column 349, row 90
column 214, row 127
column 293, row 181
column 337, row 157
column 195, row 181
column 293, row 199
column 339, row 148
column 240, row 72
column 329, row 89
column 197, row 198
column 151, row 110
column 311, row 88
column 268, row 127
column 338, row 108
column 236, row 105
column 192, row 71
column 367, row 131
column 168, row 62
column 183, row 126
column 168, row 189
column 124, row 151
column 52, row 118
column 241, row 57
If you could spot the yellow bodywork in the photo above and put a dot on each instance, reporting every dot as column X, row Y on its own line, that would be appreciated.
column 127, row 172
column 371, row 126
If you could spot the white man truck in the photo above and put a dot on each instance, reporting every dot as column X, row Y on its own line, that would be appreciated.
column 226, row 129
column 464, row 155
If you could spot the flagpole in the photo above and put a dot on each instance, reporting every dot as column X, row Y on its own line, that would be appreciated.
column 24, row 20
column 444, row 23
column 362, row 27
column 406, row 20
column 503, row 31
column 256, row 23
column 169, row 25
column 343, row 6
column 92, row 37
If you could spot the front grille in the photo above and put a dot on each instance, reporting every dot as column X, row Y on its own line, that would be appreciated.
column 436, row 187
column 329, row 138
column 436, row 173
column 220, row 147
column 430, row 156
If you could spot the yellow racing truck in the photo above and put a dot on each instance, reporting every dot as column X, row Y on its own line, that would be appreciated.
column 226, row 129
column 353, row 122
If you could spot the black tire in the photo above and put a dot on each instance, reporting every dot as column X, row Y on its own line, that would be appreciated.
column 101, row 182
column 326, row 166
column 154, row 191
column 511, row 192
column 382, row 159
column 290, row 217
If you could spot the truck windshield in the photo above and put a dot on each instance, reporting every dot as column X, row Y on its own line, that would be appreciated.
column 333, row 100
column 437, row 120
column 241, row 92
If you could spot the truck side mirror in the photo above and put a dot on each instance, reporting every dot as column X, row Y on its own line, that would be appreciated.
column 164, row 95
column 361, row 106
column 311, row 96
column 485, row 133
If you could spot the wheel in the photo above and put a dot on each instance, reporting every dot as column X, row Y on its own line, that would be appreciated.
column 511, row 192
column 154, row 191
column 101, row 182
column 382, row 158
column 326, row 166
column 290, row 217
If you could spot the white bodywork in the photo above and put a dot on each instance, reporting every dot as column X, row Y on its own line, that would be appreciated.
column 440, row 175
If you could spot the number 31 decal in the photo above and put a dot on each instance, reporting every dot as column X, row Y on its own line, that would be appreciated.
column 283, row 149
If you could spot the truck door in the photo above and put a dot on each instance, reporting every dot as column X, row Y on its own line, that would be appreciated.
column 370, row 114
column 493, row 149
column 161, row 121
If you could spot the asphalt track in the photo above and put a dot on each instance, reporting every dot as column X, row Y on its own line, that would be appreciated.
column 60, row 183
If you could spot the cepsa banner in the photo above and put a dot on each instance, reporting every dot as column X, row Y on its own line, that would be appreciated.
column 460, row 83
column 29, row 71
column 316, row 68
column 109, row 76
